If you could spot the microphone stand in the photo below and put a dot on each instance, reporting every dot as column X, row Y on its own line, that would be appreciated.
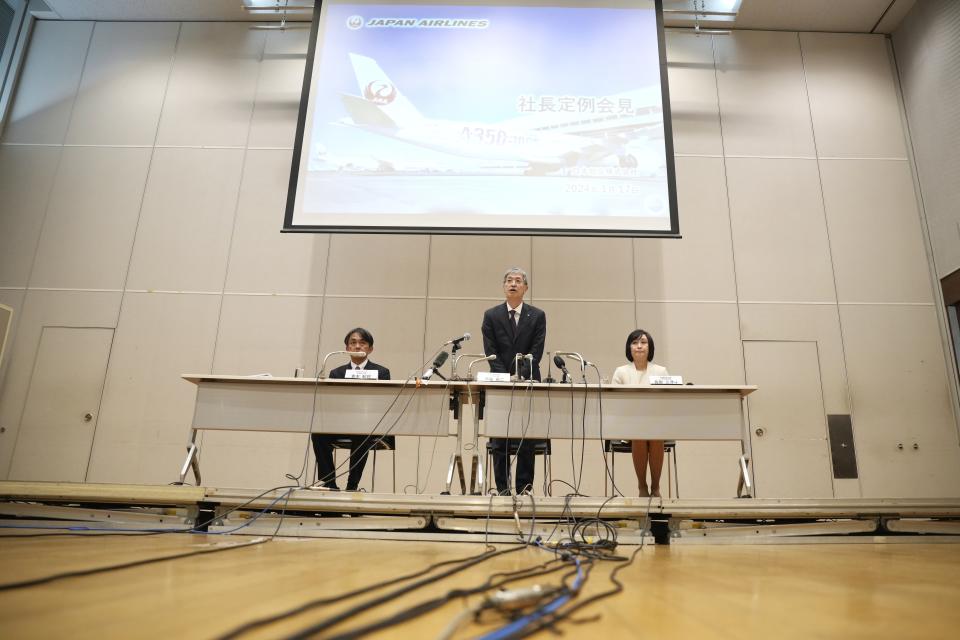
column 456, row 363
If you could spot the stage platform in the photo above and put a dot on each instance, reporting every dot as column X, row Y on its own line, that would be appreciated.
column 310, row 513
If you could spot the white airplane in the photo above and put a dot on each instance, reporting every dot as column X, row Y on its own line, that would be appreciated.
column 543, row 142
column 322, row 160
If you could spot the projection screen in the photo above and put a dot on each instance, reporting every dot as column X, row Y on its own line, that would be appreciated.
column 534, row 117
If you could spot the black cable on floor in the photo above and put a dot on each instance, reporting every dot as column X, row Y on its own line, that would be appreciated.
column 126, row 565
column 427, row 606
column 320, row 602
column 364, row 606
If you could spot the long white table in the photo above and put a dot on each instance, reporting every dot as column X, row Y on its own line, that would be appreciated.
column 308, row 405
column 529, row 410
column 630, row 412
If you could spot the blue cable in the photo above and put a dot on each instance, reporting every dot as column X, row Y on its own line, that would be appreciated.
column 550, row 607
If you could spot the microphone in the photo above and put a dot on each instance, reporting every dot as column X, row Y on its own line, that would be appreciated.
column 456, row 341
column 437, row 363
column 557, row 360
column 576, row 356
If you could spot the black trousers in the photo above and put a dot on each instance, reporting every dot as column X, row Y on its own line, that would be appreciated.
column 502, row 447
column 323, row 448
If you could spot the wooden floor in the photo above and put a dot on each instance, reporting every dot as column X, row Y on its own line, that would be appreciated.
column 724, row 591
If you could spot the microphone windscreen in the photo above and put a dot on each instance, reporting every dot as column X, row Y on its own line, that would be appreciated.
column 440, row 359
column 558, row 361
column 467, row 336
column 526, row 371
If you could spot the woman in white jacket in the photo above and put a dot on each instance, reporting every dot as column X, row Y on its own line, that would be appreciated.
column 639, row 351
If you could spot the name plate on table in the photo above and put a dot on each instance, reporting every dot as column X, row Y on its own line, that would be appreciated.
column 491, row 376
column 362, row 374
column 666, row 379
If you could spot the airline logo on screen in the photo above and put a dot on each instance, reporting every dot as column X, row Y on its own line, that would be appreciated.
column 357, row 22
column 380, row 92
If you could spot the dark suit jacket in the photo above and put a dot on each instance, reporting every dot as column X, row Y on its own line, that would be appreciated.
column 498, row 337
column 340, row 373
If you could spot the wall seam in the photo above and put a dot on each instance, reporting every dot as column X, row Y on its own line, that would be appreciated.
column 833, row 275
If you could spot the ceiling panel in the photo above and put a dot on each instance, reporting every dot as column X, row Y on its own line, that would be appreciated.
column 846, row 16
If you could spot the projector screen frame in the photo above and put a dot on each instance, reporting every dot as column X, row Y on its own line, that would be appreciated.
column 298, row 159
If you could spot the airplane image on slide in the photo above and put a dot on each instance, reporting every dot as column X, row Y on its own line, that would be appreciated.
column 540, row 143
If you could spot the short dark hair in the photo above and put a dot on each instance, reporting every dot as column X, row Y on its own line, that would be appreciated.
column 635, row 335
column 366, row 335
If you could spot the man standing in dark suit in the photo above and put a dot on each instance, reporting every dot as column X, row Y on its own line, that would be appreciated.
column 358, row 340
column 509, row 329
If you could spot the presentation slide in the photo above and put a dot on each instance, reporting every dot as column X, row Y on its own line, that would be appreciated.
column 488, row 117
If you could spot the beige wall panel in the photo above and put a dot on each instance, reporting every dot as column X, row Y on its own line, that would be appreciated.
column 707, row 470
column 898, row 388
column 26, row 174
column 263, row 260
column 268, row 334
column 779, row 232
column 596, row 330
column 447, row 319
column 40, row 308
column 48, row 82
column 147, row 408
column 254, row 460
column 693, row 94
column 473, row 266
column 210, row 97
column 853, row 101
column 378, row 265
column 819, row 323
column 396, row 325
column 121, row 95
column 583, row 268
column 700, row 265
column 763, row 101
column 875, row 199
column 277, row 102
column 188, row 210
column 91, row 218
column 700, row 342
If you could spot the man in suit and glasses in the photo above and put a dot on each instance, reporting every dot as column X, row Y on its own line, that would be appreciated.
column 357, row 340
column 509, row 329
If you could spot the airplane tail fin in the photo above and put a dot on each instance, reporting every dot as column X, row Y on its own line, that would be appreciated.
column 377, row 88
column 366, row 113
